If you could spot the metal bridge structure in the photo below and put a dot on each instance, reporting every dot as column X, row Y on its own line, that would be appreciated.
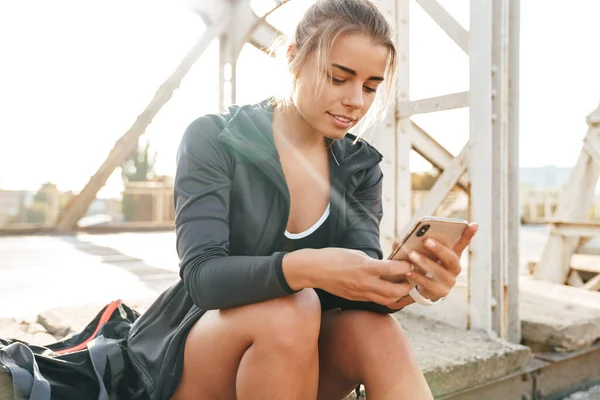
column 486, row 168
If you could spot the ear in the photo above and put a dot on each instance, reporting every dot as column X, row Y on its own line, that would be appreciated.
column 291, row 52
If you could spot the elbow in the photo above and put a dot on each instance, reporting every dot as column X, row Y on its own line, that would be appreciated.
column 199, row 291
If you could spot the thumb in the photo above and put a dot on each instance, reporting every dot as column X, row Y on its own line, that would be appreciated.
column 465, row 239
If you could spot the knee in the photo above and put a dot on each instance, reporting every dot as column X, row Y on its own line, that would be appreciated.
column 373, row 332
column 293, row 322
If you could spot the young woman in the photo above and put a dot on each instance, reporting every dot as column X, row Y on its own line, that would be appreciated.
column 278, row 211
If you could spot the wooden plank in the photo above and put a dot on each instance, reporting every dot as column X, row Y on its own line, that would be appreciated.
column 127, row 143
column 434, row 104
column 453, row 29
column 482, row 206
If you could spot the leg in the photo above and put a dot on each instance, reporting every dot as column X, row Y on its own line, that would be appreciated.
column 364, row 347
column 258, row 351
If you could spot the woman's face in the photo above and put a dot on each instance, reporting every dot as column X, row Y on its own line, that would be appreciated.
column 354, row 72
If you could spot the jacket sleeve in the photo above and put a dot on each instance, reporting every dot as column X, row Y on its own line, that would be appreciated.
column 365, row 211
column 213, row 278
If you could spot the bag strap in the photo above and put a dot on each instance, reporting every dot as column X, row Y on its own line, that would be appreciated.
column 28, row 382
column 102, row 350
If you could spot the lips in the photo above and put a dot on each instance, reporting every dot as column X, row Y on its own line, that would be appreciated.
column 342, row 118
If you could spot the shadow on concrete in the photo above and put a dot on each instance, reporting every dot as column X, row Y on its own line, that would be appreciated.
column 156, row 279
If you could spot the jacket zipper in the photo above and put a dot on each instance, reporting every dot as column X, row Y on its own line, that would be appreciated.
column 104, row 318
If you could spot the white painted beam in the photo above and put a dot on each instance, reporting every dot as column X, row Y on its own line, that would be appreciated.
column 443, row 185
column 574, row 204
column 482, row 203
column 264, row 35
column 210, row 11
column 434, row 104
column 453, row 29
column 403, row 140
column 513, row 196
column 575, row 228
column 432, row 151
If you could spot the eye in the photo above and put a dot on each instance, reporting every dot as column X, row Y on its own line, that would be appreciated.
column 336, row 81
column 369, row 90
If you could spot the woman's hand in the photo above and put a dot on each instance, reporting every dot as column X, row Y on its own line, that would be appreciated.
column 350, row 274
column 438, row 278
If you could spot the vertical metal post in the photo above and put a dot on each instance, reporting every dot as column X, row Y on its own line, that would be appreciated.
column 227, row 69
column 512, row 167
column 403, row 142
column 500, row 173
column 394, row 141
column 483, row 206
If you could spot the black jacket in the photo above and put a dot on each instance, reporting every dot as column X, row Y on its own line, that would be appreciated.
column 232, row 205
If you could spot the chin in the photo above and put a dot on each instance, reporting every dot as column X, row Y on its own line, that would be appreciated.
column 335, row 135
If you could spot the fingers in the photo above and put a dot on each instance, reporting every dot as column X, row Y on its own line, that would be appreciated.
column 430, row 288
column 448, row 258
column 384, row 292
column 390, row 268
column 465, row 239
column 444, row 272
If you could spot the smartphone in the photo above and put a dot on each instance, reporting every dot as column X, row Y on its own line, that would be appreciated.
column 445, row 230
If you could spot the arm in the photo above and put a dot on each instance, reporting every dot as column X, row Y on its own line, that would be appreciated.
column 362, row 233
column 212, row 278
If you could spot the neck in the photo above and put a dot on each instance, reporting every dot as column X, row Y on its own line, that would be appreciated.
column 290, row 126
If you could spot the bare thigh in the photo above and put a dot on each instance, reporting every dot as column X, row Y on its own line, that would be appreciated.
column 233, row 353
column 364, row 347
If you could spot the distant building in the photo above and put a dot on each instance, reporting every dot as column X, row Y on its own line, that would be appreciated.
column 13, row 203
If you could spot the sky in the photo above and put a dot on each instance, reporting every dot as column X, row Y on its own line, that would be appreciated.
column 75, row 74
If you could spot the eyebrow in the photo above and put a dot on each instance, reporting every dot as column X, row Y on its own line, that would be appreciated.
column 353, row 72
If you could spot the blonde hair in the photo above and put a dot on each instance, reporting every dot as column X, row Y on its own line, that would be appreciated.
column 327, row 20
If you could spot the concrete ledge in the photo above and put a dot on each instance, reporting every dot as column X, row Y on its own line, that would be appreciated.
column 557, row 317
column 453, row 359
column 553, row 317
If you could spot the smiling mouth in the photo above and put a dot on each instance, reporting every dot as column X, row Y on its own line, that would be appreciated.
column 343, row 119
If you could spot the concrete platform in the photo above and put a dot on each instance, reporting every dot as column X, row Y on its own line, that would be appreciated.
column 557, row 317
column 453, row 359
column 450, row 358
column 553, row 317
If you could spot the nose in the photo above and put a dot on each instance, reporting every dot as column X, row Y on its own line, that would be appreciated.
column 354, row 97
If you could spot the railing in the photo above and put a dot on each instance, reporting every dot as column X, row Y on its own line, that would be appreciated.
column 152, row 208
column 142, row 206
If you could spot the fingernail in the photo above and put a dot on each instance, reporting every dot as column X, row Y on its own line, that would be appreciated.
column 414, row 256
column 429, row 243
